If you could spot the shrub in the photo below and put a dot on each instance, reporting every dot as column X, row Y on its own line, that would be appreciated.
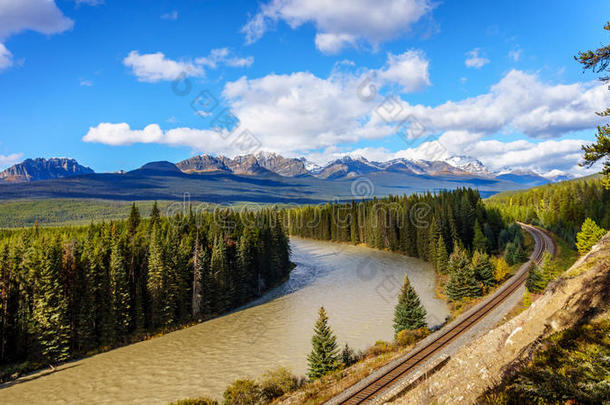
column 242, row 392
column 380, row 348
column 410, row 337
column 277, row 382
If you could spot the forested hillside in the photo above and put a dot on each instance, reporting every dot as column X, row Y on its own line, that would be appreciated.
column 68, row 291
column 560, row 207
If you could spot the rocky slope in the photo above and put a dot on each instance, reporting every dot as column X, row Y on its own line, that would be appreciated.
column 582, row 292
column 43, row 169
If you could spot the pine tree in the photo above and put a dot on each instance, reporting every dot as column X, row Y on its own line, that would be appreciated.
column 509, row 254
column 480, row 241
column 535, row 282
column 156, row 282
column 50, row 309
column 198, row 271
column 323, row 358
column 588, row 236
column 119, row 288
column 134, row 219
column 155, row 215
column 409, row 312
column 442, row 259
column 483, row 269
column 463, row 282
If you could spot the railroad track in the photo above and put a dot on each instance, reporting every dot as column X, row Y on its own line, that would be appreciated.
column 379, row 384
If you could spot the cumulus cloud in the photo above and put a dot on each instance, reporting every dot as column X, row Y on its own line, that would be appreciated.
column 155, row 67
column 9, row 160
column 409, row 70
column 41, row 16
column 341, row 23
column 475, row 60
column 6, row 58
column 221, row 56
column 518, row 102
column 121, row 134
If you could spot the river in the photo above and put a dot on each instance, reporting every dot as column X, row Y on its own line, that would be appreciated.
column 358, row 287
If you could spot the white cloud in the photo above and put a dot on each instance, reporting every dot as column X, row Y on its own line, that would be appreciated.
column 222, row 56
column 6, row 58
column 86, row 83
column 410, row 70
column 41, row 16
column 121, row 134
column 9, row 160
column 341, row 23
column 519, row 102
column 475, row 60
column 154, row 67
column 173, row 15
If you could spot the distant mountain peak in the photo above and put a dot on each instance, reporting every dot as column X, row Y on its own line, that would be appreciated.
column 43, row 169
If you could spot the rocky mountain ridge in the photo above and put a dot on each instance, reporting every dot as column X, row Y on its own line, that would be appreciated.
column 264, row 163
column 43, row 169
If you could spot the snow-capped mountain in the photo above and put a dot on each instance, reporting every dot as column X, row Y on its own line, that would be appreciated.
column 469, row 164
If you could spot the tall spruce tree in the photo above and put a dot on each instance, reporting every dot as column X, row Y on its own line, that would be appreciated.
column 134, row 219
column 324, row 356
column 479, row 241
column 483, row 269
column 51, row 323
column 119, row 288
column 462, row 282
column 442, row 259
column 198, row 272
column 409, row 313
column 155, row 215
column 156, row 280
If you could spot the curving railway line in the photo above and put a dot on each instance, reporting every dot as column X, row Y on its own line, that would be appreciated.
column 363, row 392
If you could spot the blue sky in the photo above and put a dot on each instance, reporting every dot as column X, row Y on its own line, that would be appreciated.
column 495, row 80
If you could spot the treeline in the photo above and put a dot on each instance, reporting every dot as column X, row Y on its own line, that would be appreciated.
column 65, row 292
column 561, row 207
column 427, row 226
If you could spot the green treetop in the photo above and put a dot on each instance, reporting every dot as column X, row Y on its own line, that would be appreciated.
column 409, row 312
column 323, row 358
column 588, row 236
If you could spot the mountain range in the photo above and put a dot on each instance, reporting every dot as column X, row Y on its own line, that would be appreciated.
column 259, row 178
column 264, row 163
